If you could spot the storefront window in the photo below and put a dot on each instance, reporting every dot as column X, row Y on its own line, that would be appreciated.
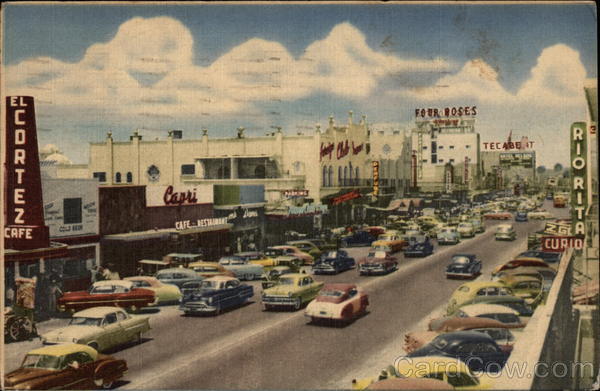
column 324, row 176
column 330, row 179
column 118, row 177
column 129, row 177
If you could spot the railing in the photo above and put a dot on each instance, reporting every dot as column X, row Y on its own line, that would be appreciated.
column 542, row 357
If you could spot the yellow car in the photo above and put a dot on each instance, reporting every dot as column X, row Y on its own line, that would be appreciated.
column 391, row 240
column 526, row 287
column 267, row 261
column 470, row 290
column 210, row 269
column 165, row 293
column 450, row 370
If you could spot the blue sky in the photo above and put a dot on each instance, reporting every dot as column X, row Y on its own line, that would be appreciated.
column 397, row 54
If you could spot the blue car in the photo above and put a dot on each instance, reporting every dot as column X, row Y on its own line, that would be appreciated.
column 547, row 256
column 333, row 262
column 448, row 235
column 463, row 266
column 359, row 238
column 214, row 295
column 478, row 350
column 418, row 246
column 521, row 217
column 178, row 276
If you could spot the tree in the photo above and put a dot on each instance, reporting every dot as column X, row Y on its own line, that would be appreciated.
column 541, row 169
column 558, row 167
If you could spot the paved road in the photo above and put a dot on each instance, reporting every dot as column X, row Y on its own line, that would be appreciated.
column 248, row 348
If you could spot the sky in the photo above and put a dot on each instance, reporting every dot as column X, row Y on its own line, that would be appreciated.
column 155, row 67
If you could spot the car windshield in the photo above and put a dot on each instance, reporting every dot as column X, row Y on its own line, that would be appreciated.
column 331, row 254
column 102, row 289
column 209, row 284
column 377, row 254
column 42, row 361
column 460, row 260
column 164, row 276
column 331, row 293
column 83, row 321
column 286, row 281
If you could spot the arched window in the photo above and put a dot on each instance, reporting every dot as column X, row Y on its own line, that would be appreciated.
column 118, row 177
column 324, row 176
column 330, row 179
column 357, row 176
column 345, row 176
column 340, row 179
column 129, row 177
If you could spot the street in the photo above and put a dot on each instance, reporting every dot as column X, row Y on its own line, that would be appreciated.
column 249, row 348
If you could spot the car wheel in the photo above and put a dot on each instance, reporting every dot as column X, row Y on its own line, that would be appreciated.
column 14, row 330
column 298, row 303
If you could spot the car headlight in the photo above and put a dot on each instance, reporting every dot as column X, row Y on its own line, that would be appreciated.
column 210, row 300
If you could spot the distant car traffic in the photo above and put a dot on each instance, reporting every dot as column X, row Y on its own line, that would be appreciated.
column 341, row 302
column 470, row 290
column 67, row 366
column 392, row 241
column 505, row 232
column 179, row 275
column 448, row 235
column 333, row 262
column 463, row 266
column 242, row 268
column 359, row 238
column 165, row 293
column 210, row 269
column 101, row 328
column 419, row 246
column 117, row 293
column 498, row 215
column 214, row 295
column 466, row 230
column 521, row 217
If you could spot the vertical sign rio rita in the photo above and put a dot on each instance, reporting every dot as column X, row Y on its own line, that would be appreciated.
column 23, row 206
column 579, row 179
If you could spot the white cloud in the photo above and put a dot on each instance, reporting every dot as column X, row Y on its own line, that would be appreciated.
column 147, row 68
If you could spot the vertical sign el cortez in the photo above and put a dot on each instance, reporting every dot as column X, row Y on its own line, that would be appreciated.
column 23, row 205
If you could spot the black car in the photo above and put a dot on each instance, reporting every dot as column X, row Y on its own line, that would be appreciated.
column 546, row 256
column 418, row 246
column 478, row 350
column 463, row 266
column 359, row 238
column 333, row 262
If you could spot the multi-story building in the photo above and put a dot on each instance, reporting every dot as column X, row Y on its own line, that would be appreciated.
column 447, row 154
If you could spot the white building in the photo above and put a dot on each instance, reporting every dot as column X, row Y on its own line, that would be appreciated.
column 446, row 145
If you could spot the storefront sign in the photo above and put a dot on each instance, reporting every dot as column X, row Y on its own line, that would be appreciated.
column 508, row 145
column 242, row 213
column 375, row 178
column 345, row 197
column 307, row 209
column 561, row 243
column 295, row 193
column 557, row 228
column 25, row 228
column 446, row 112
column 356, row 149
column 178, row 195
column 186, row 224
column 579, row 178
column 448, row 178
column 520, row 159
column 326, row 150
column 342, row 149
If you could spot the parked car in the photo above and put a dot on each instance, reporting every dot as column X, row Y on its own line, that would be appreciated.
column 463, row 266
column 540, row 214
column 272, row 276
column 63, row 367
column 291, row 290
column 338, row 302
column 478, row 350
column 520, row 262
column 266, row 259
column 324, row 245
column 241, row 268
column 118, row 293
column 466, row 230
column 448, row 235
column 419, row 246
column 165, row 293
column 470, row 290
column 178, row 275
column 358, row 238
column 210, row 269
column 526, row 287
column 149, row 267
column 500, row 313
column 307, row 259
column 215, row 295
column 390, row 241
column 505, row 232
column 377, row 262
column 182, row 259
column 426, row 373
column 334, row 262
column 307, row 246
column 101, row 328
column 521, row 217
column 545, row 274
column 546, row 256
column 498, row 215
column 516, row 303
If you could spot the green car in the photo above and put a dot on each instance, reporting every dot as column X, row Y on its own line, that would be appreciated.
column 527, row 287
column 291, row 290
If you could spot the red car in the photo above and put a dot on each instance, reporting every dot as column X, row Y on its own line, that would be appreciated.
column 378, row 262
column 519, row 262
column 107, row 293
column 498, row 215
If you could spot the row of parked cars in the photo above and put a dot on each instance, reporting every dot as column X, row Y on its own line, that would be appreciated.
column 474, row 338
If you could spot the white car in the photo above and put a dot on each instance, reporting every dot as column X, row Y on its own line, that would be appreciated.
column 466, row 230
column 540, row 215
column 338, row 302
column 501, row 313
column 101, row 328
